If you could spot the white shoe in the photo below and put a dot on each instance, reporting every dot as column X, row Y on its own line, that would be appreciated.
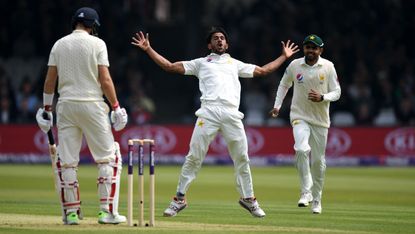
column 175, row 207
column 316, row 207
column 105, row 217
column 305, row 199
column 252, row 206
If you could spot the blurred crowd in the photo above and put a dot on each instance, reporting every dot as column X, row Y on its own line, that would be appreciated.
column 369, row 42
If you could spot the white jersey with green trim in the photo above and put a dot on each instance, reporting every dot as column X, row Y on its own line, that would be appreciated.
column 321, row 77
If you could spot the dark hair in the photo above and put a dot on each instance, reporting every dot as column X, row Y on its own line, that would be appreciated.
column 214, row 30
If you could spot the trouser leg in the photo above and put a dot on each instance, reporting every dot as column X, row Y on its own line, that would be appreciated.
column 301, row 132
column 235, row 136
column 318, row 141
column 203, row 134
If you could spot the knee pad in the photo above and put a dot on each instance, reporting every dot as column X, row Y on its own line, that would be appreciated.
column 109, row 182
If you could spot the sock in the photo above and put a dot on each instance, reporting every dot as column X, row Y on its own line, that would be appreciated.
column 180, row 196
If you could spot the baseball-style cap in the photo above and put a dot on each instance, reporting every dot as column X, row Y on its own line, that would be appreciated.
column 316, row 40
column 88, row 16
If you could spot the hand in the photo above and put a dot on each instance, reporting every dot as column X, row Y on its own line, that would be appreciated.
column 140, row 41
column 288, row 49
column 314, row 96
column 274, row 113
column 44, row 123
column 119, row 118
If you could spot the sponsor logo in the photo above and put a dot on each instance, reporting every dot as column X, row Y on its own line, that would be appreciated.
column 401, row 142
column 255, row 142
column 165, row 139
column 338, row 142
column 300, row 78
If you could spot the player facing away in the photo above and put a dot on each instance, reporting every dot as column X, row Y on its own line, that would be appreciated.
column 315, row 86
column 79, row 63
column 219, row 85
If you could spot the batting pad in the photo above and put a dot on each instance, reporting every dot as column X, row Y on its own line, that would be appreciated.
column 109, row 182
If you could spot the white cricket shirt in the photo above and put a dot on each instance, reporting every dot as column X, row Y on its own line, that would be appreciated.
column 219, row 77
column 321, row 77
column 77, row 57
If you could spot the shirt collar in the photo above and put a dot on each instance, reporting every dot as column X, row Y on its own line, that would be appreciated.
column 79, row 31
column 217, row 55
column 318, row 63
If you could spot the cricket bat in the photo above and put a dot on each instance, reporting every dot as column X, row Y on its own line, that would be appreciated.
column 54, row 158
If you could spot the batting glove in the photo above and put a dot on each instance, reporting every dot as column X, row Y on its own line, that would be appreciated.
column 44, row 123
column 119, row 118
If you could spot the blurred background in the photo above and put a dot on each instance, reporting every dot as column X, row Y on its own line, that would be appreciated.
column 370, row 43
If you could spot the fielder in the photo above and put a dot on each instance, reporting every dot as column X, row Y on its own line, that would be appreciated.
column 80, row 62
column 315, row 86
column 218, row 75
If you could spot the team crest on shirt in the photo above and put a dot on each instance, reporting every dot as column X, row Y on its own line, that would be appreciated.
column 300, row 78
column 209, row 59
column 200, row 123
column 322, row 78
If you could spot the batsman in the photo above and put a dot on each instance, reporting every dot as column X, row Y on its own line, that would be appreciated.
column 79, row 64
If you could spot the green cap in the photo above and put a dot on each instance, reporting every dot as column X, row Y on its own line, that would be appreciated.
column 314, row 39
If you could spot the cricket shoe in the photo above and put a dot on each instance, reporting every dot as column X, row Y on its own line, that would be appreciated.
column 316, row 207
column 105, row 217
column 72, row 219
column 305, row 199
column 175, row 207
column 252, row 206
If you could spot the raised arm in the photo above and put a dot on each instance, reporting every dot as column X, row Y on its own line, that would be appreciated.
column 288, row 49
column 143, row 43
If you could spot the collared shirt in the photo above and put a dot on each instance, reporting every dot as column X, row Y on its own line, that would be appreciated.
column 77, row 57
column 321, row 77
column 219, row 77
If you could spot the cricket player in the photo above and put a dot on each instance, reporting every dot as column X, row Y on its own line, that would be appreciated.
column 79, row 63
column 218, row 75
column 315, row 86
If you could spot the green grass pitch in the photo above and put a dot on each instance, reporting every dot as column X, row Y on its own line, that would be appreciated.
column 355, row 200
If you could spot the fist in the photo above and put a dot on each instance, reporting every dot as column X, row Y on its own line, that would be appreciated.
column 44, row 119
column 119, row 118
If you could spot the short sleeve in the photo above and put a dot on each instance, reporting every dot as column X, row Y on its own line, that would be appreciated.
column 52, row 56
column 102, row 54
column 191, row 67
column 245, row 70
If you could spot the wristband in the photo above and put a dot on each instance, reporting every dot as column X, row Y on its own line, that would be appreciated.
column 116, row 105
column 48, row 108
column 48, row 101
column 322, row 97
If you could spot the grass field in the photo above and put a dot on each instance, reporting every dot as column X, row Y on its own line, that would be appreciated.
column 355, row 200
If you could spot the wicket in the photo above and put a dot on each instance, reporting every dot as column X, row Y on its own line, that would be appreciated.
column 141, row 143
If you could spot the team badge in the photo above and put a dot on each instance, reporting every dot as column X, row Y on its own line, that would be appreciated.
column 200, row 123
column 322, row 78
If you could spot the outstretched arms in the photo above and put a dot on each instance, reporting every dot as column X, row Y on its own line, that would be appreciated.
column 143, row 43
column 288, row 49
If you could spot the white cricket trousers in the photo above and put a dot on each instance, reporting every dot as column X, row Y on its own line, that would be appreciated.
column 90, row 119
column 310, row 139
column 211, row 120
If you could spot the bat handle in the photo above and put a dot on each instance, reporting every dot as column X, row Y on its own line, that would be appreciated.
column 50, row 134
